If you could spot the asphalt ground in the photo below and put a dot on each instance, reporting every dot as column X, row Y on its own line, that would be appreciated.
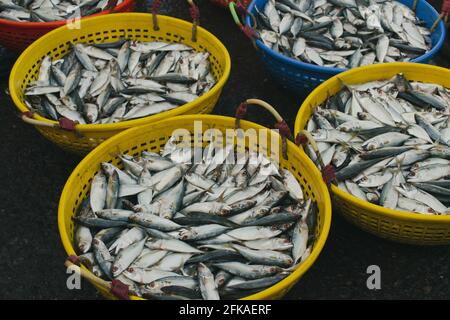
column 33, row 172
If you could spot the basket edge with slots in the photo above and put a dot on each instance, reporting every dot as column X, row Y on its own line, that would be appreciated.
column 84, row 138
column 405, row 227
column 155, row 135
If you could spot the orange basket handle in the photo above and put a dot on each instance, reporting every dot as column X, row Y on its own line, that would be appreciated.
column 115, row 287
column 194, row 11
column 63, row 123
column 281, row 125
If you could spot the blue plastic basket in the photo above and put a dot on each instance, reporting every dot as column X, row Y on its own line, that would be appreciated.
column 302, row 78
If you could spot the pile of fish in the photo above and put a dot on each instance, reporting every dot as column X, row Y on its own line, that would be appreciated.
column 389, row 142
column 50, row 10
column 342, row 33
column 227, row 226
column 119, row 81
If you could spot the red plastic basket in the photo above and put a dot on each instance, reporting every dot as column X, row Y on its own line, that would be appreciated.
column 17, row 36
column 224, row 3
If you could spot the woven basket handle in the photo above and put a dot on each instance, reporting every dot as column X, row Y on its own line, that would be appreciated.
column 445, row 12
column 194, row 11
column 328, row 171
column 115, row 287
column 225, row 3
column 281, row 124
column 63, row 123
column 240, row 10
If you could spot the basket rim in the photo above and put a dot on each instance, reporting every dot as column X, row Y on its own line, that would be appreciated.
column 331, row 70
column 59, row 23
column 110, row 143
column 215, row 90
column 389, row 213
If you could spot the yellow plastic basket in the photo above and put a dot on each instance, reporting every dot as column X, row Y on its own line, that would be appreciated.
column 152, row 137
column 405, row 227
column 110, row 28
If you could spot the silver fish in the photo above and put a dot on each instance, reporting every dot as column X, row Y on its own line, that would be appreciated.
column 183, row 240
column 207, row 283
column 45, row 11
column 120, row 81
column 395, row 146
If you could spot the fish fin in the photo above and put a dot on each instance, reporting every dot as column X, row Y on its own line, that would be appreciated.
column 343, row 84
column 116, row 153
column 353, row 135
column 399, row 165
column 221, row 197
column 209, row 190
column 347, row 145
column 402, row 83
column 294, row 266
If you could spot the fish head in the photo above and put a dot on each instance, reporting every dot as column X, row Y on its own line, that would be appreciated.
column 225, row 211
column 185, row 234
